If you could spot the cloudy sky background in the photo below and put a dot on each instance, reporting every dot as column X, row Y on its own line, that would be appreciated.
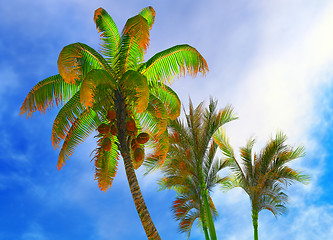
column 272, row 60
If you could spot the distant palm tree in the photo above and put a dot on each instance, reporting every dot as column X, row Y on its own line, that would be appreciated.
column 263, row 176
column 191, row 167
column 119, row 95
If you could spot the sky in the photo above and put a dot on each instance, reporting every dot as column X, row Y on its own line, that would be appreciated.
column 271, row 60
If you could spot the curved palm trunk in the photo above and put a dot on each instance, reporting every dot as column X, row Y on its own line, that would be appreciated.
column 255, row 223
column 211, row 226
column 139, row 202
column 203, row 222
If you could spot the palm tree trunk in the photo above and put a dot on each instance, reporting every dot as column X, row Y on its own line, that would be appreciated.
column 139, row 202
column 255, row 223
column 203, row 222
column 211, row 225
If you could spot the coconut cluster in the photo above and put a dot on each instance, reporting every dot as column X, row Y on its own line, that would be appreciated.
column 136, row 144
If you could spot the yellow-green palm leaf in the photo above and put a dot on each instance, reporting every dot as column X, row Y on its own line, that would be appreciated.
column 109, row 34
column 170, row 100
column 47, row 92
column 106, row 163
column 96, row 77
column 134, row 86
column 149, row 14
column 172, row 63
column 77, row 59
column 65, row 118
column 83, row 126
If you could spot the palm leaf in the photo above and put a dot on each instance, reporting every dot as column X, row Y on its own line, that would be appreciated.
column 134, row 41
column 87, row 122
column 47, row 92
column 93, row 79
column 154, row 119
column 149, row 14
column 109, row 34
column 169, row 99
column 106, row 163
column 171, row 63
column 66, row 116
column 77, row 59
column 134, row 86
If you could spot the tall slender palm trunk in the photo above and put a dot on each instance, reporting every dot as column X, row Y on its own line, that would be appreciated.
column 203, row 221
column 139, row 202
column 255, row 223
column 211, row 226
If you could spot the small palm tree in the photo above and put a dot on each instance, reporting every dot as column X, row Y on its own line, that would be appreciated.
column 191, row 167
column 264, row 176
column 125, row 99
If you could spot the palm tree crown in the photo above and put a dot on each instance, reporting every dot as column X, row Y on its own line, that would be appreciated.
column 191, row 167
column 264, row 176
column 125, row 99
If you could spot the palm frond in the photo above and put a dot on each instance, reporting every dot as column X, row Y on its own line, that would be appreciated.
column 154, row 119
column 134, row 42
column 156, row 158
column 86, row 123
column 94, row 78
column 65, row 118
column 134, row 86
column 169, row 99
column 171, row 63
column 149, row 14
column 106, row 163
column 246, row 157
column 109, row 34
column 77, row 59
column 47, row 92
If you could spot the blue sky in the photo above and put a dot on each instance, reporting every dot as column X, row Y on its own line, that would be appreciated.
column 272, row 60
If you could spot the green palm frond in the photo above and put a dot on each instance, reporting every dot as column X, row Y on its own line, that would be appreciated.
column 137, row 28
column 185, row 212
column 109, row 34
column 156, row 158
column 93, row 79
column 222, row 141
column 77, row 59
column 154, row 119
column 246, row 157
column 134, row 42
column 171, row 63
column 47, row 92
column 106, row 163
column 84, row 125
column 170, row 100
column 134, row 87
column 65, row 117
column 149, row 14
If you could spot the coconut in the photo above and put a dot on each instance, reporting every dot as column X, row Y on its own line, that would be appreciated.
column 103, row 128
column 114, row 130
column 111, row 115
column 142, row 138
column 130, row 125
column 134, row 144
column 139, row 154
column 106, row 144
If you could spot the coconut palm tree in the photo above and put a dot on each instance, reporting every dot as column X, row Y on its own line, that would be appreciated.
column 114, row 91
column 191, row 167
column 264, row 176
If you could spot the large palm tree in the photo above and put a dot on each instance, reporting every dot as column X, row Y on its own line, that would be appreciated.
column 118, row 94
column 191, row 167
column 264, row 176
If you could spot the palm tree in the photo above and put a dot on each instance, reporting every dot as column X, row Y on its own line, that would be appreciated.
column 264, row 176
column 191, row 168
column 120, row 95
